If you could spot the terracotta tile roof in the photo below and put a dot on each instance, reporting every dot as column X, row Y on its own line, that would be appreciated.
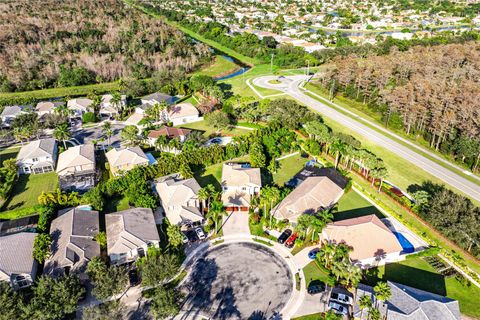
column 170, row 132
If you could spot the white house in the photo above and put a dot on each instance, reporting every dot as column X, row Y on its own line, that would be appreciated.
column 47, row 107
column 183, row 113
column 76, row 168
column 79, row 106
column 9, row 113
column 239, row 183
column 38, row 156
column 157, row 97
column 17, row 266
column 109, row 109
column 129, row 234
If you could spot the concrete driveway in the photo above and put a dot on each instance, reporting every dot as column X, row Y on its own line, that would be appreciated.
column 235, row 223
column 237, row 281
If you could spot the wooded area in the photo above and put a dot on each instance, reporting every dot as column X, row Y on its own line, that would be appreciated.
column 65, row 43
column 428, row 91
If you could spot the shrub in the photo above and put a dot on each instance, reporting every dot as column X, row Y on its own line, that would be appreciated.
column 89, row 117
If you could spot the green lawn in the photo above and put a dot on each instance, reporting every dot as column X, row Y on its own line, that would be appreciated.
column 312, row 272
column 26, row 190
column 209, row 131
column 313, row 316
column 213, row 174
column 8, row 153
column 417, row 273
column 353, row 205
column 116, row 204
column 219, row 67
column 288, row 168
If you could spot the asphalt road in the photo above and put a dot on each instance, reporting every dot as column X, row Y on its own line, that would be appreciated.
column 237, row 281
column 291, row 86
column 87, row 135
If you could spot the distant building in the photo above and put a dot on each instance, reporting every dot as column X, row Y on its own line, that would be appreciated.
column 38, row 156
column 129, row 234
column 17, row 266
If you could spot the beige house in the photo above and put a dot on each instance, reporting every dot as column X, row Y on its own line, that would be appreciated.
column 372, row 242
column 47, row 107
column 76, row 168
column 239, row 183
column 312, row 195
column 73, row 246
column 17, row 266
column 121, row 160
column 179, row 199
column 183, row 113
column 129, row 234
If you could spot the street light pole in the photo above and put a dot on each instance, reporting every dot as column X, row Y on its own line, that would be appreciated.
column 271, row 63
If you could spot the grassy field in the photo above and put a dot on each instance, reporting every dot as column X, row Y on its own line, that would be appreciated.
column 8, row 153
column 417, row 273
column 288, row 168
column 220, row 66
column 116, row 204
column 364, row 112
column 213, row 174
column 353, row 205
column 312, row 272
column 209, row 131
column 313, row 316
column 27, row 189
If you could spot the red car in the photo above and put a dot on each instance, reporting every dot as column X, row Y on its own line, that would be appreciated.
column 291, row 241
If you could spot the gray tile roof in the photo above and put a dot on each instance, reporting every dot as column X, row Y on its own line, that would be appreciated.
column 129, row 229
column 16, row 253
column 14, row 111
column 159, row 97
column 415, row 304
column 37, row 148
column 72, row 241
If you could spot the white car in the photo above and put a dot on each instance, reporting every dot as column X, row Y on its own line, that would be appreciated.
column 338, row 308
column 342, row 298
column 200, row 233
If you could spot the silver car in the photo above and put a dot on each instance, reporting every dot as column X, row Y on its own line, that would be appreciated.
column 338, row 308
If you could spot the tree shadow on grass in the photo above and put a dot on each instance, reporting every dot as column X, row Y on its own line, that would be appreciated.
column 19, row 187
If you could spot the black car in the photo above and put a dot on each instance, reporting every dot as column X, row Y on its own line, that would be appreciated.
column 315, row 288
column 133, row 277
column 284, row 236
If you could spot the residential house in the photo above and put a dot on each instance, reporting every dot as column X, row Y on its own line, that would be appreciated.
column 408, row 303
column 73, row 245
column 17, row 265
column 157, row 97
column 38, row 156
column 239, row 183
column 122, row 160
column 179, row 199
column 79, row 106
column 183, row 113
column 108, row 109
column 372, row 242
column 312, row 195
column 76, row 168
column 47, row 107
column 18, row 225
column 129, row 234
column 169, row 132
column 9, row 113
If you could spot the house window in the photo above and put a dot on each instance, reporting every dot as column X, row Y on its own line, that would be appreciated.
column 26, row 169
column 35, row 159
column 244, row 188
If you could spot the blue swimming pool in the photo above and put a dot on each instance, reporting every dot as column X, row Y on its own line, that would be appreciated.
column 406, row 245
column 151, row 158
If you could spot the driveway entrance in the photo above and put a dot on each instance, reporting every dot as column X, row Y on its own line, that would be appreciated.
column 236, row 222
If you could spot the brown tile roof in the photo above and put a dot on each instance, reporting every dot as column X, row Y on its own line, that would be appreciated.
column 170, row 132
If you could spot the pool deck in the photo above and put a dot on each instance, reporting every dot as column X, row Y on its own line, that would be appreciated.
column 396, row 226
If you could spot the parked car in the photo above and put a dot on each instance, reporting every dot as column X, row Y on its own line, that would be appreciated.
column 133, row 277
column 315, row 288
column 291, row 240
column 184, row 238
column 338, row 308
column 200, row 233
column 342, row 298
column 284, row 236
column 313, row 253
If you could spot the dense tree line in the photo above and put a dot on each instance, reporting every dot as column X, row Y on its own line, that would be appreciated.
column 453, row 215
column 65, row 43
column 8, row 175
column 427, row 91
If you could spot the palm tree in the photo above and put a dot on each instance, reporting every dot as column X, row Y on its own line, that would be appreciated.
column 319, row 221
column 382, row 291
column 365, row 302
column 116, row 101
column 215, row 212
column 352, row 275
column 203, row 195
column 303, row 225
column 374, row 314
column 327, row 254
column 161, row 142
column 62, row 133
column 338, row 148
column 107, row 130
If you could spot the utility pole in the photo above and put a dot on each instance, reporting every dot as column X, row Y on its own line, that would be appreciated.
column 308, row 67
column 271, row 63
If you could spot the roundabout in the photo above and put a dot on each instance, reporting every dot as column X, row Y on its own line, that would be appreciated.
column 239, row 280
